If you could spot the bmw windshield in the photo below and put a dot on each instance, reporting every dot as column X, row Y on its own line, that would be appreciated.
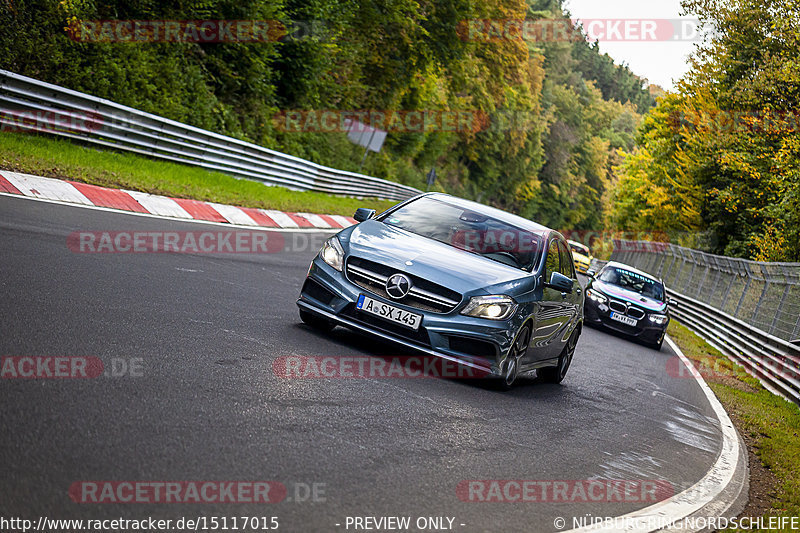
column 469, row 230
column 632, row 281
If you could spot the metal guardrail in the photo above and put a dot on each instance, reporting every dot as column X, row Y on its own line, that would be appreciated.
column 773, row 361
column 710, row 291
column 33, row 105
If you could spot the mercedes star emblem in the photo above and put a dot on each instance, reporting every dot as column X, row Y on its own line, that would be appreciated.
column 397, row 286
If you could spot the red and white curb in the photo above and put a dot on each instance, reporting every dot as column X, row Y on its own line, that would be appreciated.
column 73, row 192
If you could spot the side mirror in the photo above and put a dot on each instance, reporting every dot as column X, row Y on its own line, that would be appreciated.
column 560, row 282
column 591, row 272
column 362, row 214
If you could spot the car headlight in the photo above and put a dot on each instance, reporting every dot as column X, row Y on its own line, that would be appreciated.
column 597, row 296
column 332, row 253
column 658, row 319
column 491, row 307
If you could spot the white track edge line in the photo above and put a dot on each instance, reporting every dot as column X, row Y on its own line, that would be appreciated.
column 701, row 493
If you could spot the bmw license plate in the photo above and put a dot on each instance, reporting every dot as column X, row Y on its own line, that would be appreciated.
column 389, row 312
column 624, row 319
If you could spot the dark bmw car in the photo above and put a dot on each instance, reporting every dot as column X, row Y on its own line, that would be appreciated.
column 628, row 301
column 453, row 279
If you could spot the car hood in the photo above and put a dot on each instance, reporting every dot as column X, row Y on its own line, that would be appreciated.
column 582, row 258
column 431, row 260
column 626, row 295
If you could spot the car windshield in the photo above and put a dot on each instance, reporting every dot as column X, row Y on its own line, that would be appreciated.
column 634, row 282
column 579, row 249
column 468, row 230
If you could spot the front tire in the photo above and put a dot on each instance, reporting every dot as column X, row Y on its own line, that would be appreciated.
column 556, row 374
column 316, row 322
column 657, row 346
column 511, row 368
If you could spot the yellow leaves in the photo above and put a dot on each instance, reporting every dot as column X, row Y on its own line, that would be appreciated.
column 769, row 245
column 530, row 190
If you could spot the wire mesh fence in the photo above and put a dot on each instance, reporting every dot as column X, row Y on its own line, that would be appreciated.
column 763, row 295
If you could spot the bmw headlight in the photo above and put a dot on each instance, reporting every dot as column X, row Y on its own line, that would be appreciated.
column 659, row 320
column 597, row 296
column 332, row 253
column 491, row 307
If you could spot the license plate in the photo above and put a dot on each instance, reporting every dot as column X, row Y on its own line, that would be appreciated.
column 389, row 312
column 624, row 319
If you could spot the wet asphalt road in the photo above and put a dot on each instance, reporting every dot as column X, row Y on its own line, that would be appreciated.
column 202, row 333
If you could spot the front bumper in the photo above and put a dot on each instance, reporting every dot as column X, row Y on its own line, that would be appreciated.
column 473, row 342
column 598, row 314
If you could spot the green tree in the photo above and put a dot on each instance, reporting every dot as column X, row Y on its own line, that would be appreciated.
column 720, row 157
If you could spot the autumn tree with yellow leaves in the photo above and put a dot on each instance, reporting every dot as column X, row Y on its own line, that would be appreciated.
column 718, row 161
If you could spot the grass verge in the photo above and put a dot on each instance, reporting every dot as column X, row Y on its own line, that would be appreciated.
column 57, row 158
column 768, row 424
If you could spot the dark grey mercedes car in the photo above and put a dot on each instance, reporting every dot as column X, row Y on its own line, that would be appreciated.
column 454, row 279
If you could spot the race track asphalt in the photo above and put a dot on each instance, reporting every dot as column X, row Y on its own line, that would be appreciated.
column 202, row 333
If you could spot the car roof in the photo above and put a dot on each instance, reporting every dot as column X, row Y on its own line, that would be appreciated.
column 579, row 244
column 632, row 269
column 499, row 214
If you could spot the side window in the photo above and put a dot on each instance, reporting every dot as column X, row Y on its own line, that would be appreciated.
column 553, row 263
column 567, row 266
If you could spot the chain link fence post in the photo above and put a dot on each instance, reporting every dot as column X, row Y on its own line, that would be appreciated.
column 779, row 309
column 796, row 332
column 744, row 292
column 767, row 282
column 731, row 280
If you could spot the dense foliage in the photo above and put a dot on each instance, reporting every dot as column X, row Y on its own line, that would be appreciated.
column 719, row 161
column 555, row 114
